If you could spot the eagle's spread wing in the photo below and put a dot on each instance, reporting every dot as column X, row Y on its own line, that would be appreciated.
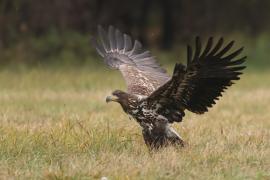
column 141, row 72
column 197, row 86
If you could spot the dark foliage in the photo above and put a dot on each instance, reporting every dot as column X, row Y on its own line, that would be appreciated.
column 162, row 21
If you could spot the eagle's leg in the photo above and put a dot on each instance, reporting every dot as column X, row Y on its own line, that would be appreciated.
column 156, row 140
column 174, row 138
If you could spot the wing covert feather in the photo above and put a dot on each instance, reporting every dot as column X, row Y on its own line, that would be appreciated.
column 137, row 81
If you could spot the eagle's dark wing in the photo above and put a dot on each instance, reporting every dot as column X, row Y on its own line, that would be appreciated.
column 141, row 72
column 197, row 86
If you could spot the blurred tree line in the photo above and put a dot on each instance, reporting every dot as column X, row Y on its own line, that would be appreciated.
column 161, row 22
column 173, row 18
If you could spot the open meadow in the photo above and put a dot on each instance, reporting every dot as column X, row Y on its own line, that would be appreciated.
column 55, row 124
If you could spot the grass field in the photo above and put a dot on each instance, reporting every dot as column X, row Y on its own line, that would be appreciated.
column 55, row 124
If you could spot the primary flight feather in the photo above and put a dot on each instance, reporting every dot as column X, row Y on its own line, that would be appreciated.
column 153, row 98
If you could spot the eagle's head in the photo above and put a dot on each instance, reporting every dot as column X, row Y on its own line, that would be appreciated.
column 122, row 98
column 117, row 96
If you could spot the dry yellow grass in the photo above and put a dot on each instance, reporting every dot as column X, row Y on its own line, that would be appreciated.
column 55, row 124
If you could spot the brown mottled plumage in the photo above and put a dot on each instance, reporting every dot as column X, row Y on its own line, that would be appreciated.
column 153, row 98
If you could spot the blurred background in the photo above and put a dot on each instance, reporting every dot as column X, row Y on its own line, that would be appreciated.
column 57, row 32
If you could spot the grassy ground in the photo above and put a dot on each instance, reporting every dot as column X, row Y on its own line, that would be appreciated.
column 55, row 124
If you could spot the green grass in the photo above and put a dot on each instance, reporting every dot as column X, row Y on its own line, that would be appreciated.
column 55, row 124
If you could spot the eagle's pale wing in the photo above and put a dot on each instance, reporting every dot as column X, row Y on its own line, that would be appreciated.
column 138, row 67
column 206, row 76
column 140, row 82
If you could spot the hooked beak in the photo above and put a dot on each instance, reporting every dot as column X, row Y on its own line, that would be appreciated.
column 111, row 98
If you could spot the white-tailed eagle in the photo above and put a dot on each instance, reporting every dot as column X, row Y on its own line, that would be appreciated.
column 155, row 99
